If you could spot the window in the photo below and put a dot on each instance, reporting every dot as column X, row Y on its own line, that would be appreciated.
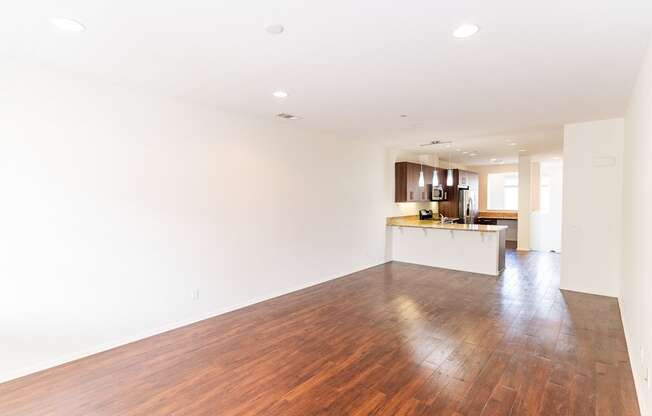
column 502, row 191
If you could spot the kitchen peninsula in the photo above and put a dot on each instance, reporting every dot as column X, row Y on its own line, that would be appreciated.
column 473, row 248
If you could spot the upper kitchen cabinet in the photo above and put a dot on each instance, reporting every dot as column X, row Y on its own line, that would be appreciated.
column 426, row 191
column 407, row 189
column 468, row 179
column 463, row 180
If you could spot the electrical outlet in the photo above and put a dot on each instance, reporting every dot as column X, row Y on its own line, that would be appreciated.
column 195, row 294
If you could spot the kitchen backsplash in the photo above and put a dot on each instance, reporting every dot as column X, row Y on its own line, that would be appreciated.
column 412, row 208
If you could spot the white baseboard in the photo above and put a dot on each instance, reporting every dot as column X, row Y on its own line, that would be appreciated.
column 168, row 327
column 588, row 291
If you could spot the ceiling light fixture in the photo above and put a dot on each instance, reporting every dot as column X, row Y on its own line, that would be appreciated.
column 522, row 150
column 513, row 144
column 422, row 180
column 280, row 94
column 67, row 25
column 449, row 174
column 275, row 29
column 466, row 30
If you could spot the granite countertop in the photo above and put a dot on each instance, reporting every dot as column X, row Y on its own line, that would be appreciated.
column 415, row 222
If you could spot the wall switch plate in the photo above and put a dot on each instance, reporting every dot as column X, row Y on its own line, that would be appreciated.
column 195, row 294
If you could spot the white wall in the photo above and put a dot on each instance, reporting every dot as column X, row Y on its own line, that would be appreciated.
column 117, row 206
column 545, row 226
column 524, row 199
column 591, row 230
column 636, row 277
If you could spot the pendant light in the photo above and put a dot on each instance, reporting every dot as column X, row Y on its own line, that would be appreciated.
column 449, row 175
column 422, row 181
column 435, row 179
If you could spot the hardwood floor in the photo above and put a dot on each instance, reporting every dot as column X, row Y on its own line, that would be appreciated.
column 396, row 339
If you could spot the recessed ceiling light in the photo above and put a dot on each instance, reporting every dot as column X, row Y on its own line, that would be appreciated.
column 275, row 29
column 466, row 30
column 280, row 94
column 67, row 25
column 522, row 150
column 513, row 144
column 465, row 153
column 494, row 160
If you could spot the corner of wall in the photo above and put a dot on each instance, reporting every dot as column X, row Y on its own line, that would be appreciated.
column 631, row 352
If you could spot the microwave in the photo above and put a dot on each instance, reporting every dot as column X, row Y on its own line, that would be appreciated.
column 438, row 193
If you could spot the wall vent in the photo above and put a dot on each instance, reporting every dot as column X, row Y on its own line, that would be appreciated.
column 287, row 116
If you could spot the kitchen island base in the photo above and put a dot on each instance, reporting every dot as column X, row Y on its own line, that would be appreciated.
column 473, row 251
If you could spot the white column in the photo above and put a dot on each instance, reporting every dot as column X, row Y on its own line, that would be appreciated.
column 524, row 198
column 593, row 162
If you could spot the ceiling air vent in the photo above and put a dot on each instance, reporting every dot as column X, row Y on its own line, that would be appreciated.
column 287, row 116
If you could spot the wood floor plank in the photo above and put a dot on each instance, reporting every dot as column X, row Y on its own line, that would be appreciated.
column 500, row 403
column 484, row 385
column 396, row 339
column 555, row 401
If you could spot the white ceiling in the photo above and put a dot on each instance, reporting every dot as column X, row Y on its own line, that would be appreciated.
column 540, row 144
column 353, row 67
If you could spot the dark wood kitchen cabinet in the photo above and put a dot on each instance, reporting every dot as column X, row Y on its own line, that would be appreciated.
column 427, row 190
column 406, row 176
column 461, row 179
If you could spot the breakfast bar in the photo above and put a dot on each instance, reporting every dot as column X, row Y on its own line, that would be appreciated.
column 472, row 248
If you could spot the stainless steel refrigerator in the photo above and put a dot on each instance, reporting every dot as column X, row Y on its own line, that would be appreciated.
column 468, row 208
